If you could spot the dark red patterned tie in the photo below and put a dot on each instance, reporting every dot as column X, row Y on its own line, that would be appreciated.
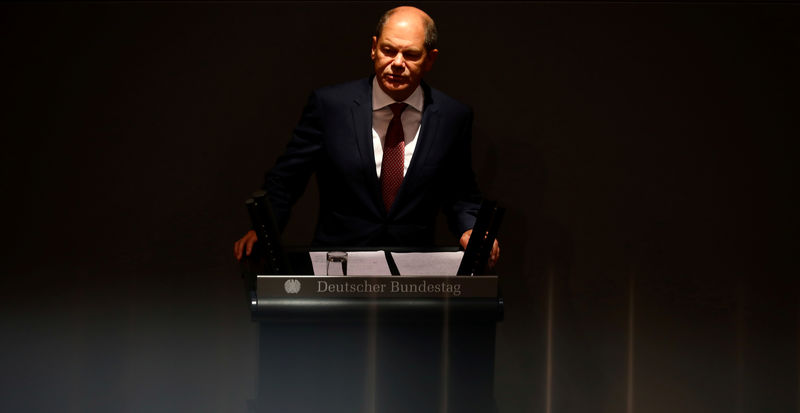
column 394, row 155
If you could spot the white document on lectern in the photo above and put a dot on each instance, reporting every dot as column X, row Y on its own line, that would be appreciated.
column 428, row 263
column 358, row 263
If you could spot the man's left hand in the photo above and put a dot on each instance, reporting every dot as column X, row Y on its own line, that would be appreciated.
column 493, row 256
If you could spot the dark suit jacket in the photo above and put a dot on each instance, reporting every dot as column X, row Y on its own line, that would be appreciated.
column 334, row 139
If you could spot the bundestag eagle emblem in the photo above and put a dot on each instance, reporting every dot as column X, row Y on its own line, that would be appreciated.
column 292, row 286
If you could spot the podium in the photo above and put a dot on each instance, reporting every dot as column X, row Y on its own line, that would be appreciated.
column 385, row 344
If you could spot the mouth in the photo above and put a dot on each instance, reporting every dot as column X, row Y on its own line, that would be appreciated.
column 396, row 78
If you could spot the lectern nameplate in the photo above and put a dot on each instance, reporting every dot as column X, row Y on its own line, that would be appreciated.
column 281, row 286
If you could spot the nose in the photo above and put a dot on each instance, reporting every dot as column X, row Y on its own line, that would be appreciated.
column 398, row 61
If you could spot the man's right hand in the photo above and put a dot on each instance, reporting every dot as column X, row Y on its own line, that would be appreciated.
column 245, row 244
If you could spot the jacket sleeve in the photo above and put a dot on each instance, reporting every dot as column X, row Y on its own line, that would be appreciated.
column 288, row 179
column 463, row 200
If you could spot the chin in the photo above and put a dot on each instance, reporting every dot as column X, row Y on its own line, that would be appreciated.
column 388, row 82
column 395, row 87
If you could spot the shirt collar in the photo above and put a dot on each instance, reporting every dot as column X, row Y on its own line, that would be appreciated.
column 380, row 99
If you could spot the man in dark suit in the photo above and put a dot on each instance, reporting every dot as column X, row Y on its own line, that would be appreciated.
column 389, row 151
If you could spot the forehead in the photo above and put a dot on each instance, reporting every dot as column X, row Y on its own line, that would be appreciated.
column 403, row 31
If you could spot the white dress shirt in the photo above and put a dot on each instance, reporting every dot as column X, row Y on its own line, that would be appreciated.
column 382, row 115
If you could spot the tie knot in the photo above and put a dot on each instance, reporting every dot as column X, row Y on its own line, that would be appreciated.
column 398, row 108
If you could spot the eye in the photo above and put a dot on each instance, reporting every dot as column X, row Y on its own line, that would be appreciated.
column 388, row 51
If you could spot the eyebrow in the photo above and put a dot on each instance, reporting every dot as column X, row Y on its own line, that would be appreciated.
column 411, row 49
column 387, row 42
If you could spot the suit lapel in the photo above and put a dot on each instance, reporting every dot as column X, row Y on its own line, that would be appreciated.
column 362, row 125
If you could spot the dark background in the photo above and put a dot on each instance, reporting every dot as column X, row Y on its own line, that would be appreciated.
column 645, row 152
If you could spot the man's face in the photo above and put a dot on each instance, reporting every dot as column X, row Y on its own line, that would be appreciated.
column 400, row 57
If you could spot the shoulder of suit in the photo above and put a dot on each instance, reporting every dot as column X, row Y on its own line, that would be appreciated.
column 447, row 103
column 345, row 92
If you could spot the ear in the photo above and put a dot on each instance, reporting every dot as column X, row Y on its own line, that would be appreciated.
column 429, row 59
column 374, row 48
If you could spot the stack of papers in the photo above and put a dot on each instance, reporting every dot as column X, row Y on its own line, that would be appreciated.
column 428, row 263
